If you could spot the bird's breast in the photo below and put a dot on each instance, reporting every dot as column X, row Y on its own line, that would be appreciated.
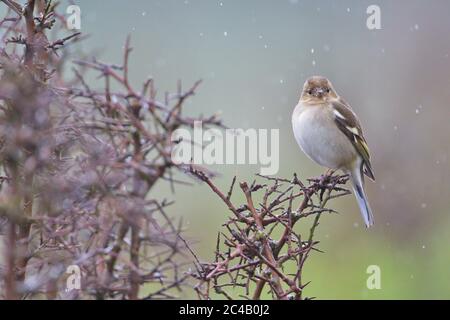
column 319, row 137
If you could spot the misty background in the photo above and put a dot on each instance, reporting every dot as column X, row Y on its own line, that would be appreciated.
column 253, row 57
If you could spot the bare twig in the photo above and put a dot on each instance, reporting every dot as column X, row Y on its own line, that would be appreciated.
column 250, row 246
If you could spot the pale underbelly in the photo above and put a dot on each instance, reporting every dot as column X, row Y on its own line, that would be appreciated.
column 326, row 145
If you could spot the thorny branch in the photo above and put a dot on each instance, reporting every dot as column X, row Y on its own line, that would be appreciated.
column 251, row 256
column 78, row 163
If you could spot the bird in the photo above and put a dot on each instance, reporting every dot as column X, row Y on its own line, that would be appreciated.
column 329, row 133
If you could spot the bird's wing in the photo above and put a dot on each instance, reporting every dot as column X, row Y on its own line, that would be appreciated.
column 348, row 123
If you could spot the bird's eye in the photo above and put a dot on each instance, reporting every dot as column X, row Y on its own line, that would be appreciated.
column 310, row 92
column 328, row 90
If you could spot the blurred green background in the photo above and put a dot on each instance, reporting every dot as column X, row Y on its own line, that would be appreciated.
column 254, row 56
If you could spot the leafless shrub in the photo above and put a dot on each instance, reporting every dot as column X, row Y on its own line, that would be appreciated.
column 78, row 164
column 249, row 254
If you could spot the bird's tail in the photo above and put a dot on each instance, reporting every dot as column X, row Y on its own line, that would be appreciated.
column 357, row 180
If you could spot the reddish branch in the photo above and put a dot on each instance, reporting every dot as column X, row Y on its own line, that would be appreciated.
column 92, row 156
column 252, row 260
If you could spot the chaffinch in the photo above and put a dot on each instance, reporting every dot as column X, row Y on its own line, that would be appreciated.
column 328, row 132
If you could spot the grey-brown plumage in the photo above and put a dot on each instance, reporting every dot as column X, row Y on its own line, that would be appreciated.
column 329, row 132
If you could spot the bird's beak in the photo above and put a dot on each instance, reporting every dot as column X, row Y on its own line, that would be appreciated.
column 319, row 92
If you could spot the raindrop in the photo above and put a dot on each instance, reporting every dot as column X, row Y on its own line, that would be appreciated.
column 225, row 33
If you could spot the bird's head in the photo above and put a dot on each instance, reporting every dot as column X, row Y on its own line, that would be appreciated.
column 318, row 89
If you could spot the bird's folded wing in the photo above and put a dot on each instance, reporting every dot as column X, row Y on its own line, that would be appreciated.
column 348, row 123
